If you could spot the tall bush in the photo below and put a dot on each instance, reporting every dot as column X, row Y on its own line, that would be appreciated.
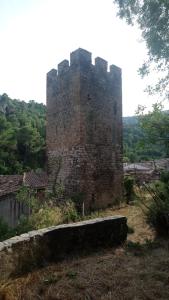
column 157, row 212
column 129, row 188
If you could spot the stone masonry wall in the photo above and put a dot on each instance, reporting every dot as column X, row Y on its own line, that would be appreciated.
column 21, row 254
column 84, row 130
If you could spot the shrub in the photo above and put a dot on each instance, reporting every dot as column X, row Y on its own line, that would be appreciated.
column 46, row 216
column 5, row 231
column 157, row 213
column 23, row 226
column 129, row 188
column 28, row 196
column 78, row 200
column 42, row 214
column 69, row 212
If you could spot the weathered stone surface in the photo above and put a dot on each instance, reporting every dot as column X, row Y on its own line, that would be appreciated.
column 23, row 253
column 84, row 130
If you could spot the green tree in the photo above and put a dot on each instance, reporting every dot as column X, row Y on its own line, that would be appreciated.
column 22, row 135
column 152, row 17
column 155, row 126
column 145, row 136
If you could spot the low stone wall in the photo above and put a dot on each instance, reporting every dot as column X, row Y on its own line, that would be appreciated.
column 22, row 253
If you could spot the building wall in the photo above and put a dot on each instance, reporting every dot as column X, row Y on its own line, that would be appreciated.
column 11, row 210
column 84, row 130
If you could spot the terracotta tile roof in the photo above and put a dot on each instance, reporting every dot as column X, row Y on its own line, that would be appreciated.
column 158, row 164
column 136, row 167
column 12, row 183
column 35, row 180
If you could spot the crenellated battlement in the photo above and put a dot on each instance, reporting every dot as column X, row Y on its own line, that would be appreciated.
column 115, row 72
column 83, row 58
column 63, row 67
column 52, row 74
column 80, row 57
column 101, row 64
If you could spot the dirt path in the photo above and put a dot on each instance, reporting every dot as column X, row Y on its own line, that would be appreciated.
column 135, row 220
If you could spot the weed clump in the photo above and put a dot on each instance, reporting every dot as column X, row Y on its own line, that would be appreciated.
column 129, row 188
column 4, row 230
column 157, row 212
column 41, row 214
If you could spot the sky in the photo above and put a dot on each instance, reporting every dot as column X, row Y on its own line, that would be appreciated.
column 36, row 35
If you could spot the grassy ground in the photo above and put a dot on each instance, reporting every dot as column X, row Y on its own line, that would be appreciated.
column 137, row 270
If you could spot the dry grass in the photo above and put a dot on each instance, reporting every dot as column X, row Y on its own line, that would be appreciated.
column 138, row 270
column 135, row 220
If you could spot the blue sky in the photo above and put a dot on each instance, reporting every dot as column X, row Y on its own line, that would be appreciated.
column 38, row 34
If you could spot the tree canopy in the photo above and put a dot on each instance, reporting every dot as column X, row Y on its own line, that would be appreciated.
column 152, row 17
column 155, row 126
column 145, row 136
column 22, row 135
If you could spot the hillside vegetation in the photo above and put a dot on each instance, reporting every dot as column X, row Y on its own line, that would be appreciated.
column 145, row 136
column 22, row 135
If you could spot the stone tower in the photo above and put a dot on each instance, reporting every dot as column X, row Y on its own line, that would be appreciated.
column 84, row 130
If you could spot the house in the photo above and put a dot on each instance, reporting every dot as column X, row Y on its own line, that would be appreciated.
column 10, row 208
column 146, row 171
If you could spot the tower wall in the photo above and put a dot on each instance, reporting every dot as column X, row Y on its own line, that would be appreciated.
column 84, row 130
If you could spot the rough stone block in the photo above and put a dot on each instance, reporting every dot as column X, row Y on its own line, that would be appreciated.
column 19, row 255
column 100, row 64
